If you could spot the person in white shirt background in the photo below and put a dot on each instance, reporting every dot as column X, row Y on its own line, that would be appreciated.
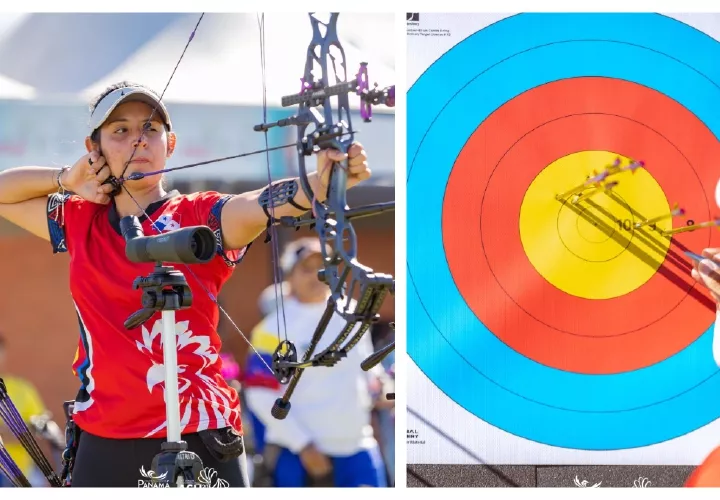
column 327, row 439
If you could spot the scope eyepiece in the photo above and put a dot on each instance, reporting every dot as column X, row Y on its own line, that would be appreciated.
column 189, row 245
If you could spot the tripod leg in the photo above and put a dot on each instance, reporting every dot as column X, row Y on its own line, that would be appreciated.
column 172, row 396
column 175, row 463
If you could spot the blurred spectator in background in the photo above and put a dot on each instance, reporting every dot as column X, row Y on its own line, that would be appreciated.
column 327, row 439
column 263, row 475
column 29, row 404
column 231, row 373
column 268, row 297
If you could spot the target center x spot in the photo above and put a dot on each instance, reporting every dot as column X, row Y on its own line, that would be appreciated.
column 592, row 230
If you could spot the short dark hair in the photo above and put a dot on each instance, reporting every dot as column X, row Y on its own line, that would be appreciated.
column 95, row 136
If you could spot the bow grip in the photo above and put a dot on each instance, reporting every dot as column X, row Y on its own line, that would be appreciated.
column 337, row 183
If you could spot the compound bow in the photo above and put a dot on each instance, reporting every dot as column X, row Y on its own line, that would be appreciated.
column 356, row 291
column 331, row 219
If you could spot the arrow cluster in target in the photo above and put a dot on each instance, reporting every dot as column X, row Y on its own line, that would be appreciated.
column 598, row 182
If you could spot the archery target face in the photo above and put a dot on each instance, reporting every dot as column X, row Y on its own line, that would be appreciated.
column 564, row 323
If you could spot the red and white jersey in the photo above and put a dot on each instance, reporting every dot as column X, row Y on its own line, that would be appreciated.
column 121, row 371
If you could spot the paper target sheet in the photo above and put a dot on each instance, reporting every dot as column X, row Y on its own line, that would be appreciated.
column 559, row 167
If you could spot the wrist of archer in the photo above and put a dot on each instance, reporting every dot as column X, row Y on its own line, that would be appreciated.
column 60, row 179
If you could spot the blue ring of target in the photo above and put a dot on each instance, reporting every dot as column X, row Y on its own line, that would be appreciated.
column 514, row 393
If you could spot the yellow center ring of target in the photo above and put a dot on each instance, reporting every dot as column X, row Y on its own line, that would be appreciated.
column 592, row 249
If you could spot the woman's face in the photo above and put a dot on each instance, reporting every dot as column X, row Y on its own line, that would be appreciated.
column 120, row 133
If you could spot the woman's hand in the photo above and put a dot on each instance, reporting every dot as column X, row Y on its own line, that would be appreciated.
column 85, row 179
column 358, row 170
column 707, row 272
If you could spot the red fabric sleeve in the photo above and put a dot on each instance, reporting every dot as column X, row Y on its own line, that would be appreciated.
column 208, row 207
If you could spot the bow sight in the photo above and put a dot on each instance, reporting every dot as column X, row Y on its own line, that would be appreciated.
column 357, row 292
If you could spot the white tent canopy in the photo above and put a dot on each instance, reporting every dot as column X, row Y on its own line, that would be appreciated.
column 10, row 89
column 222, row 64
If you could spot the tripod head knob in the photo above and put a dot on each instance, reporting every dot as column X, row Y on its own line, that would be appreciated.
column 165, row 289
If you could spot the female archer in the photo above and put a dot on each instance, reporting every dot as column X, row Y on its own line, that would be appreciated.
column 120, row 408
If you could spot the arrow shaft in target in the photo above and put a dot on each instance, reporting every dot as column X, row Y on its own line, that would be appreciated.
column 694, row 227
column 577, row 189
column 599, row 189
column 659, row 218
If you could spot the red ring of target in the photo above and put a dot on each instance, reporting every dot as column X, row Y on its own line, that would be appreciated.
column 488, row 262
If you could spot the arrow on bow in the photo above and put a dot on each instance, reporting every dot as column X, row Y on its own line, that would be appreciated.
column 356, row 291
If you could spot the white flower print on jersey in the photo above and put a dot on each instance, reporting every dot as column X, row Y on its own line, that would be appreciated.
column 198, row 392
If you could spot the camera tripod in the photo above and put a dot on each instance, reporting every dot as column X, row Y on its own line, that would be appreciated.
column 166, row 290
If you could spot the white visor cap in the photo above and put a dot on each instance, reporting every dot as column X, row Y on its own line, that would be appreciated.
column 299, row 250
column 127, row 94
